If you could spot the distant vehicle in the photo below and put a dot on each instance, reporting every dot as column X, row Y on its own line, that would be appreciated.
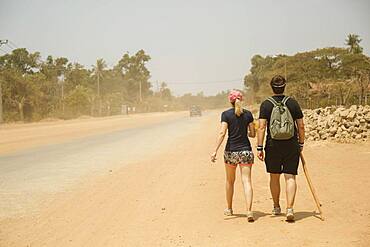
column 195, row 111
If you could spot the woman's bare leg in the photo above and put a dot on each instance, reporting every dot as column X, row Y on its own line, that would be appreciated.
column 246, row 172
column 230, row 180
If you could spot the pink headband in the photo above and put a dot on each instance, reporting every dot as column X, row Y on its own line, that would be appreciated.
column 233, row 95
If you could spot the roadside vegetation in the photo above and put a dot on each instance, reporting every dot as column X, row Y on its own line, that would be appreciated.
column 35, row 89
column 319, row 78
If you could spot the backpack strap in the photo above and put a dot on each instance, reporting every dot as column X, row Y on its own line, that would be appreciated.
column 273, row 101
column 285, row 100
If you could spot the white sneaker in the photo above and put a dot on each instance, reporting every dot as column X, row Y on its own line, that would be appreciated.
column 250, row 217
column 228, row 212
column 276, row 211
column 289, row 214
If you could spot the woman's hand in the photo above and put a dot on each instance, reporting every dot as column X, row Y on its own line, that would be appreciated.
column 260, row 155
column 213, row 157
column 220, row 138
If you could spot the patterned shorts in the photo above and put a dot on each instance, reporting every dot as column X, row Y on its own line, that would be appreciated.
column 235, row 158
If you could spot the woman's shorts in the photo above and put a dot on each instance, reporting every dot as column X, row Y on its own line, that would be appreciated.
column 235, row 158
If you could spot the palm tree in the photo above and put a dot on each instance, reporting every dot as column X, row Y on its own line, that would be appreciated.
column 353, row 41
column 98, row 71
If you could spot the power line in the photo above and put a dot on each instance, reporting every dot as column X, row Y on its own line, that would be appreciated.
column 3, row 51
column 8, row 44
column 10, row 47
column 3, row 42
column 13, row 44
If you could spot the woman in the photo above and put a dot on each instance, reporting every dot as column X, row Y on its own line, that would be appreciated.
column 238, row 122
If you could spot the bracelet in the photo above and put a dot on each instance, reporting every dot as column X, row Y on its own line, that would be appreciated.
column 301, row 144
column 260, row 148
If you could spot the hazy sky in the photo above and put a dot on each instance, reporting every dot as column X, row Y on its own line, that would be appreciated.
column 192, row 43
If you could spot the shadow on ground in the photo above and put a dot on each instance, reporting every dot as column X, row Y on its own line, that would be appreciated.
column 258, row 214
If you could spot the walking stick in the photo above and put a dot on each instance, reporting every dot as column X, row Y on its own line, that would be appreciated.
column 318, row 204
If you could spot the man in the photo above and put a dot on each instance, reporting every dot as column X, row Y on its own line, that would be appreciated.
column 282, row 154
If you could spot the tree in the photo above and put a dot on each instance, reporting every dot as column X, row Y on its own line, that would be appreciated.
column 78, row 102
column 135, row 75
column 19, row 70
column 356, row 67
column 98, row 71
column 33, row 89
column 353, row 41
column 21, row 61
column 165, row 92
column 54, row 70
column 315, row 78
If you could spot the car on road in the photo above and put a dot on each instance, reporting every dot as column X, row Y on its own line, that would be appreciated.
column 195, row 111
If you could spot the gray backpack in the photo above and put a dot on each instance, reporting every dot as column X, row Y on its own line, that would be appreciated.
column 281, row 121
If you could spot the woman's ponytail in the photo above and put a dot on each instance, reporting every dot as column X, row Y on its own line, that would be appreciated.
column 238, row 107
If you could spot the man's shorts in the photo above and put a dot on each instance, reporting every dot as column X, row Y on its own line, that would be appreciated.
column 282, row 157
column 234, row 158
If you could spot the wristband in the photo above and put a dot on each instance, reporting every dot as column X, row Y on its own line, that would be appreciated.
column 301, row 145
column 260, row 148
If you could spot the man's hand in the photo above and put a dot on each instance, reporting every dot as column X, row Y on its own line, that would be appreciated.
column 260, row 155
column 213, row 157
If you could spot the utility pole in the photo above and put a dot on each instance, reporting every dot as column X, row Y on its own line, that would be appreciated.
column 63, row 98
column 140, row 96
column 99, row 100
column 61, row 82
column 2, row 42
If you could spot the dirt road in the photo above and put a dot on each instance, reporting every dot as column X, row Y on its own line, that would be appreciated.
column 173, row 196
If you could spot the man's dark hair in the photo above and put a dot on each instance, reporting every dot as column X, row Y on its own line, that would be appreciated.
column 278, row 83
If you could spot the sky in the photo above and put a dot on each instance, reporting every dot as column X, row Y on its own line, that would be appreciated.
column 203, row 45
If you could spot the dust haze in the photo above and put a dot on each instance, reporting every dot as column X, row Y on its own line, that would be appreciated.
column 108, row 143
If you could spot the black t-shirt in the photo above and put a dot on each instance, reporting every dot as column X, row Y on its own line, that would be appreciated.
column 237, row 128
column 294, row 109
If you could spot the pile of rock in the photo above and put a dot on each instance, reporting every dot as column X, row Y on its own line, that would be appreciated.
column 338, row 123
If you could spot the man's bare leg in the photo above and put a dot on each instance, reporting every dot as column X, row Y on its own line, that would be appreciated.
column 275, row 188
column 291, row 189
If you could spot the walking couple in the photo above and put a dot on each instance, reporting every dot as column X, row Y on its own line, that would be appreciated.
column 283, row 119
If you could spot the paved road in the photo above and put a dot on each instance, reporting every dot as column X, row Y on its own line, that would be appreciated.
column 26, row 175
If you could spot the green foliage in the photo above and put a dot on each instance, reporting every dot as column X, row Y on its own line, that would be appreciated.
column 21, row 61
column 78, row 102
column 34, row 89
column 19, row 71
column 135, row 75
column 316, row 78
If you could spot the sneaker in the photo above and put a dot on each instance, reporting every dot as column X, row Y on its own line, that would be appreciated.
column 276, row 211
column 228, row 212
column 250, row 217
column 289, row 214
